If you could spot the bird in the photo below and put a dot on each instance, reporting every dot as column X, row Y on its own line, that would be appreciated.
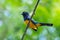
column 33, row 24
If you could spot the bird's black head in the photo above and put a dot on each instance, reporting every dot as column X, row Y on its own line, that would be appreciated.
column 25, row 15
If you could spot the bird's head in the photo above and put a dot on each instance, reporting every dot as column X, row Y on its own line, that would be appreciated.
column 25, row 14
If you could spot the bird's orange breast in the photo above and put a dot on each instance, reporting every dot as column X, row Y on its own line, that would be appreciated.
column 31, row 25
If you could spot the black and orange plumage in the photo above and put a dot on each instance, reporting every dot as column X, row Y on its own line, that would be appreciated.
column 34, row 25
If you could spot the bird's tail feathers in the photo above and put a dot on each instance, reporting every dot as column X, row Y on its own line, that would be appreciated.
column 46, row 24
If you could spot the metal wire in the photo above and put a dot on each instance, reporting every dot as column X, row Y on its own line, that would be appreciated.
column 30, row 19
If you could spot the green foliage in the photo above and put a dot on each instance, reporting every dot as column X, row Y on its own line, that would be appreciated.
column 12, row 25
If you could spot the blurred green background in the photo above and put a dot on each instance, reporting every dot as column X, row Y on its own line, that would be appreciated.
column 12, row 24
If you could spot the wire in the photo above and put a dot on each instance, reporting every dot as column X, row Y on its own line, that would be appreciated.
column 30, row 19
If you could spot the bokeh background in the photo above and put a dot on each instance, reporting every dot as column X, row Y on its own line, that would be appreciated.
column 12, row 24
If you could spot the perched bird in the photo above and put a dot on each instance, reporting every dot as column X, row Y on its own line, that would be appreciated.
column 33, row 24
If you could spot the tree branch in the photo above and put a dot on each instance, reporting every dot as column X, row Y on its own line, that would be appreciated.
column 30, row 19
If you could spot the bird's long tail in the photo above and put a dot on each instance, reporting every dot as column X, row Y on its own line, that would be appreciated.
column 46, row 24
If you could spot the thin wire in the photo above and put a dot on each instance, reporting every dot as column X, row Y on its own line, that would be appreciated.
column 30, row 19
